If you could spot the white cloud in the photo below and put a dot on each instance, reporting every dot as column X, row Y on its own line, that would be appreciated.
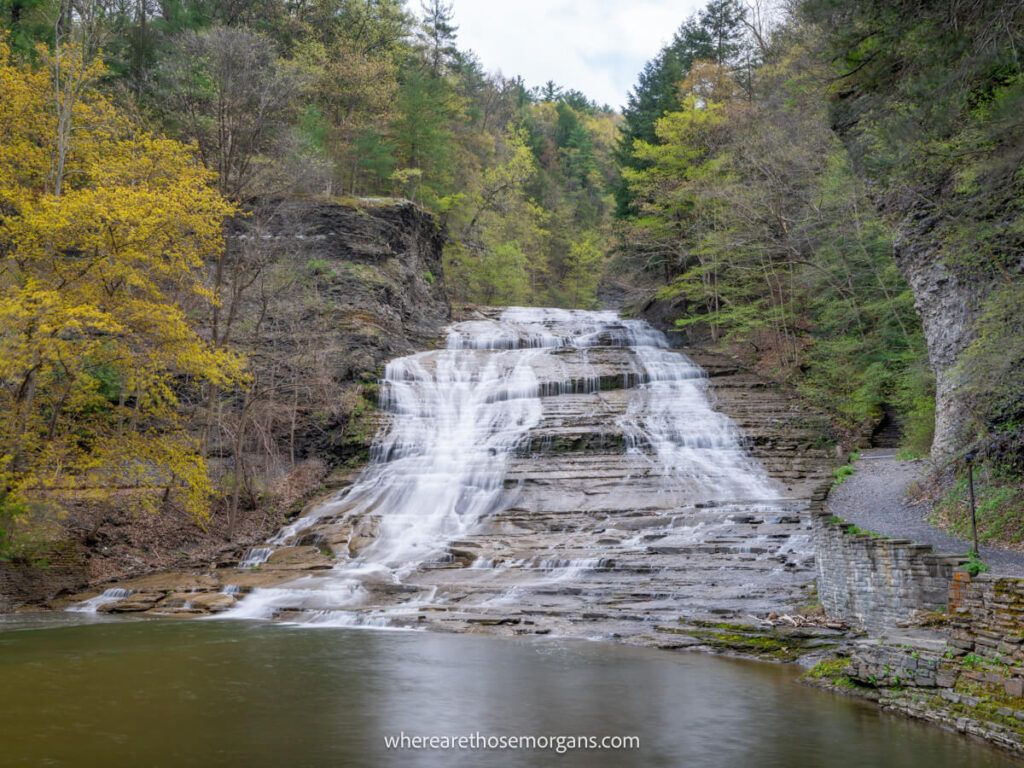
column 596, row 46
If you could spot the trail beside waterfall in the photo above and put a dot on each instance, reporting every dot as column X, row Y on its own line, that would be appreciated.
column 874, row 497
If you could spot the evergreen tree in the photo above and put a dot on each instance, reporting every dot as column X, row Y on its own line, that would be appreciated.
column 550, row 91
column 438, row 36
column 421, row 135
column 715, row 34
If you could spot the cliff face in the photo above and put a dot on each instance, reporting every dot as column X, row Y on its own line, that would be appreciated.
column 346, row 288
column 928, row 99
column 947, row 302
column 948, row 306
column 319, row 296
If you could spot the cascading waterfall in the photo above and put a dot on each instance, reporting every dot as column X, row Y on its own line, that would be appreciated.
column 94, row 603
column 458, row 417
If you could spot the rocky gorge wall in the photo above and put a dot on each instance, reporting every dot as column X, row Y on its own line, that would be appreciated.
column 877, row 583
column 947, row 301
column 328, row 291
column 967, row 676
column 948, row 307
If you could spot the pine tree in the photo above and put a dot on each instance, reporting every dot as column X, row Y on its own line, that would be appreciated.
column 715, row 34
column 438, row 35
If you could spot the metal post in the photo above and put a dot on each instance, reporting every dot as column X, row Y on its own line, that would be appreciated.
column 970, row 489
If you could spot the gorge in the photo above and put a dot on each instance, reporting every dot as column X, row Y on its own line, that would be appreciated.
column 381, row 382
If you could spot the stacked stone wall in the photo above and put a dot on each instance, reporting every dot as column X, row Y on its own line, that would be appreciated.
column 876, row 583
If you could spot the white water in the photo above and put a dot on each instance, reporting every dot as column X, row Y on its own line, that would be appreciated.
column 93, row 604
column 458, row 416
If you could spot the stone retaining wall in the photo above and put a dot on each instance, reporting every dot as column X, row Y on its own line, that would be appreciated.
column 956, row 692
column 877, row 583
column 987, row 620
column 965, row 674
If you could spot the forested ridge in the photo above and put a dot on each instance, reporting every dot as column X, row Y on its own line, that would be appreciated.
column 767, row 165
column 821, row 178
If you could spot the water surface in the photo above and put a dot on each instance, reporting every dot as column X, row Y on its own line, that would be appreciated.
column 163, row 693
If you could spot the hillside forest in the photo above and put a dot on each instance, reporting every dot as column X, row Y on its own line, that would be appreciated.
column 754, row 188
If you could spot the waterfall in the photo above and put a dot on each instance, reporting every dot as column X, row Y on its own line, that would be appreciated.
column 458, row 419
column 93, row 604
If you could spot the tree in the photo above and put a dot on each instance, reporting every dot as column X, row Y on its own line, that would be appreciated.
column 550, row 91
column 585, row 262
column 98, row 282
column 716, row 34
column 749, row 211
column 356, row 94
column 437, row 34
column 421, row 133
column 225, row 89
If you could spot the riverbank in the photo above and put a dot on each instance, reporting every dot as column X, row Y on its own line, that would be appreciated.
column 962, row 670
column 939, row 645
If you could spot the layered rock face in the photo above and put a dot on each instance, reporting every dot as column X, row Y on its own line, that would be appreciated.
column 347, row 287
column 948, row 303
column 550, row 471
column 948, row 307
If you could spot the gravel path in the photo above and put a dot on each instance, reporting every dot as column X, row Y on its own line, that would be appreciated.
column 874, row 498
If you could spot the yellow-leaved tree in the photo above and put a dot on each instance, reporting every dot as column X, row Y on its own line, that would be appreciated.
column 104, row 229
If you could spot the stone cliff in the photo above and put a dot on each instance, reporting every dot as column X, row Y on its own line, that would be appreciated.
column 348, row 287
column 947, row 302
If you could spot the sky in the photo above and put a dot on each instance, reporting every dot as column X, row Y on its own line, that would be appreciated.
column 595, row 46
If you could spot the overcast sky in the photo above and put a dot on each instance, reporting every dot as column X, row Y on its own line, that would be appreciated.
column 596, row 46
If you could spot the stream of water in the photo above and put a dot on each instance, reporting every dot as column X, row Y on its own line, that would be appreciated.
column 208, row 694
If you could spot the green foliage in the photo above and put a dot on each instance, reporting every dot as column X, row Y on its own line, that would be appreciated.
column 992, row 367
column 750, row 211
column 846, row 470
column 584, row 271
column 421, row 134
column 834, row 671
column 528, row 229
column 364, row 99
column 931, row 97
column 715, row 34
column 856, row 530
column 974, row 566
column 841, row 473
column 999, row 498
column 916, row 398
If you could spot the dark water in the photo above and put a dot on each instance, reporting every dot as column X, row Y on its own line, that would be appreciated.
column 161, row 693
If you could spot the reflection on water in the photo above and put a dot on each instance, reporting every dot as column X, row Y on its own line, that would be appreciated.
column 216, row 694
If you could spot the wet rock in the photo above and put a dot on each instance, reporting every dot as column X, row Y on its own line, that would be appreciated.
column 306, row 558
column 135, row 603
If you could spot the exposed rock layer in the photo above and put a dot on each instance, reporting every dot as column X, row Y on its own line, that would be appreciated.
column 596, row 539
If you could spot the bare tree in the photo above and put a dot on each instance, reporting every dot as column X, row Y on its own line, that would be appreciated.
column 228, row 92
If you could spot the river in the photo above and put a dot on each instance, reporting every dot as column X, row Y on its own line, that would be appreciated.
column 167, row 693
